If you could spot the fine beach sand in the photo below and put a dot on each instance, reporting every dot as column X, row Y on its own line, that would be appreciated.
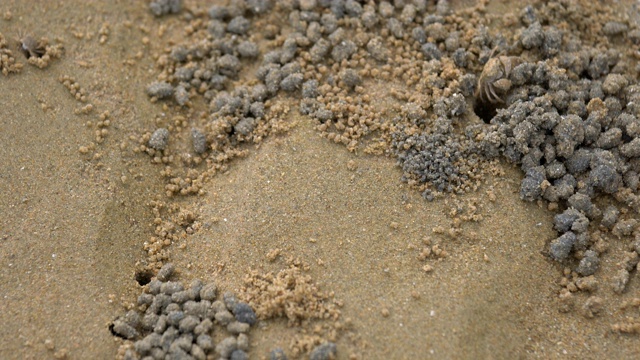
column 75, row 218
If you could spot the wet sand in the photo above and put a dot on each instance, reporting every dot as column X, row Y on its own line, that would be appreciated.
column 73, row 225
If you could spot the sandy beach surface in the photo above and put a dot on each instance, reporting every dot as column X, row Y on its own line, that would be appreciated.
column 374, row 267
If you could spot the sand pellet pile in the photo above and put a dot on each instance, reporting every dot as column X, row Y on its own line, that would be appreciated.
column 436, row 89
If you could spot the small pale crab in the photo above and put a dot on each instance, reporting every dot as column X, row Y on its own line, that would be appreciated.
column 494, row 80
column 29, row 46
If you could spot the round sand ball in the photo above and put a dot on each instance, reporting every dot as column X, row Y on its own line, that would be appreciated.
column 610, row 216
column 223, row 317
column 385, row 9
column 205, row 342
column 319, row 50
column 199, row 141
column 244, row 313
column 239, row 25
column 237, row 327
column 218, row 12
column 292, row 82
column 167, row 269
column 619, row 281
column 145, row 299
column 613, row 83
column 613, row 28
column 631, row 149
column 343, row 50
column 230, row 300
column 197, row 352
column 277, row 354
column 243, row 342
column 560, row 247
column 245, row 126
column 350, row 78
column 175, row 317
column 159, row 139
column 239, row 355
column 248, row 49
column 132, row 318
column 532, row 37
column 154, row 287
column 171, row 287
column 181, row 95
column 188, row 324
column 227, row 346
column 209, row 292
column 160, row 90
column 307, row 5
column 229, row 65
column 124, row 330
column 204, row 327
column 149, row 321
column 589, row 263
column 369, row 19
column 530, row 189
column 325, row 351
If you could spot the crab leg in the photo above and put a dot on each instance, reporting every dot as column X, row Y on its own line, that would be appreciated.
column 495, row 96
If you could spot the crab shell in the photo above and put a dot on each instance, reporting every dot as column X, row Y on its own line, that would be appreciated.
column 494, row 79
column 30, row 47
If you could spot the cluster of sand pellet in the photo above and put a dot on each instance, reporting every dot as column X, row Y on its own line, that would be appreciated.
column 410, row 80
column 8, row 62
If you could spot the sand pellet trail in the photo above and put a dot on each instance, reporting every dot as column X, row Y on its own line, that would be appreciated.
column 319, row 179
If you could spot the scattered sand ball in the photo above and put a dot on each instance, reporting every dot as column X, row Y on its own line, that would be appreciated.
column 326, row 351
column 566, row 300
column 74, row 88
column 290, row 294
column 50, row 53
column 272, row 255
column 178, row 321
column 592, row 307
column 588, row 283
column 624, row 227
column 8, row 63
column 164, row 7
column 160, row 90
column 199, row 141
column 620, row 280
column 160, row 139
column 630, row 326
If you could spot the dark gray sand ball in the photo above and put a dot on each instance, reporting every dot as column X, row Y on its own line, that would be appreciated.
column 209, row 292
column 277, row 354
column 124, row 330
column 325, row 351
column 248, row 49
column 181, row 95
column 245, row 126
column 159, row 139
column 620, row 281
column 239, row 355
column 160, row 89
column 239, row 25
column 244, row 313
column 610, row 216
column 589, row 263
column 292, row 82
column 163, row 7
column 560, row 247
column 199, row 141
column 227, row 346
column 350, row 78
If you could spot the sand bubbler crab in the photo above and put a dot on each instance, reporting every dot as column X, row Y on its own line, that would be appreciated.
column 494, row 81
column 29, row 46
